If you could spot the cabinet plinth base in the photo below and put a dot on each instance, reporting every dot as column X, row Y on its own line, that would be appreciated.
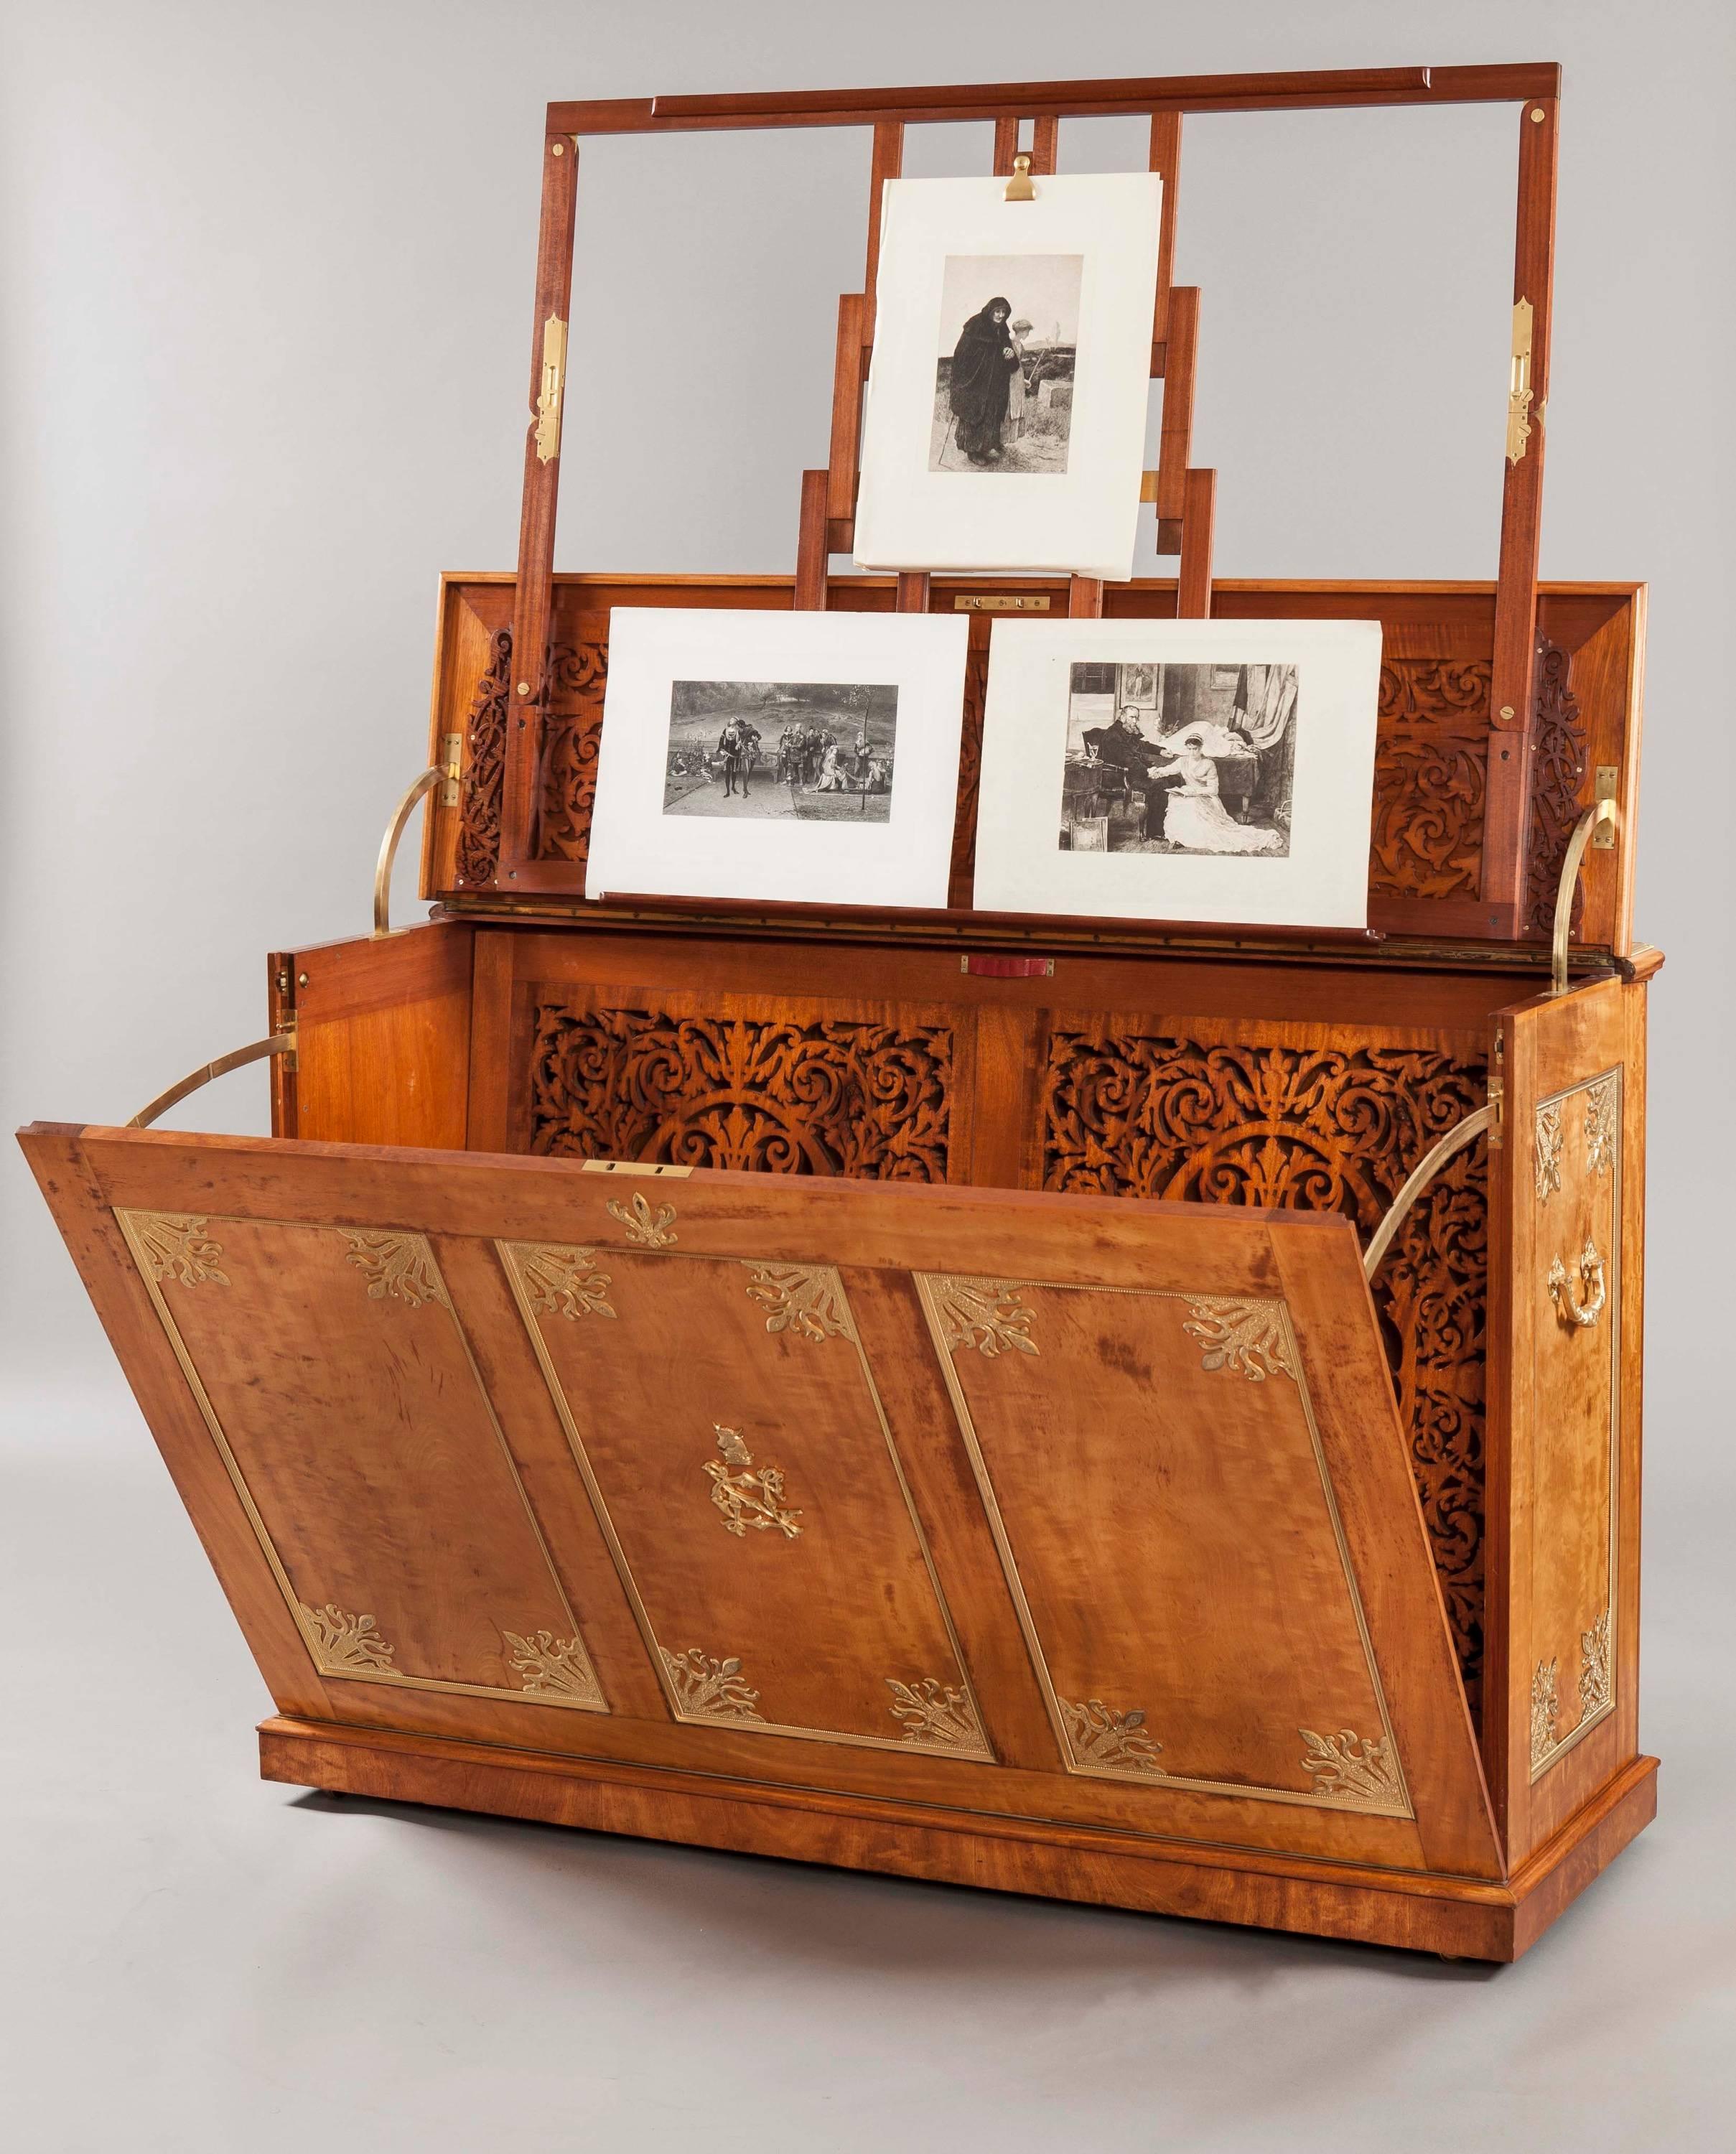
column 1455, row 1918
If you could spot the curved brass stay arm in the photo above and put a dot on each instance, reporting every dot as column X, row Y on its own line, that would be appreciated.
column 1601, row 812
column 435, row 774
column 1419, row 1177
column 279, row 1043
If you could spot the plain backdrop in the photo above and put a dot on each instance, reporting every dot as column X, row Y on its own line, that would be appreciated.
column 265, row 273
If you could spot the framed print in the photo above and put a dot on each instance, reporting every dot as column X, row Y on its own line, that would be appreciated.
column 1180, row 770
column 808, row 758
column 1008, row 394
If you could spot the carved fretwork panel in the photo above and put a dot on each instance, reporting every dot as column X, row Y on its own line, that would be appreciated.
column 1230, row 1122
column 478, row 847
column 1431, row 764
column 830, row 1097
column 1559, row 793
column 567, row 778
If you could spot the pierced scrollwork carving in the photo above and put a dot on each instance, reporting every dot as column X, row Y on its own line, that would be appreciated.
column 1548, row 1154
column 1354, row 1770
column 747, row 1499
column 1560, row 767
column 1596, row 1684
column 345, row 1645
column 560, row 1282
column 477, row 859
column 1097, row 1734
column 806, row 1300
column 397, row 1268
column 176, row 1246
column 1431, row 775
column 649, row 1229
column 938, row 1716
column 986, row 1313
column 1248, row 1338
column 832, row 1097
column 710, row 1689
column 1545, row 1711
column 553, row 1667
column 572, row 737
column 1237, row 1121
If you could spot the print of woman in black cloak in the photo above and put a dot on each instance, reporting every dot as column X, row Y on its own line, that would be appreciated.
column 982, row 364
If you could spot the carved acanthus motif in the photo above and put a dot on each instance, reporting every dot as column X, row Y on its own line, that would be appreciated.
column 805, row 1299
column 1545, row 1712
column 175, row 1245
column 1595, row 1689
column 1356, row 1771
column 345, row 1645
column 1098, row 1735
column 478, row 849
column 827, row 1098
column 986, row 1313
column 1600, row 1127
column 1248, row 1338
column 554, row 1667
column 397, row 1268
column 1560, row 767
column 1431, row 770
column 572, row 733
column 649, row 1229
column 1234, row 1121
column 938, row 1716
column 562, row 1281
column 709, row 1689
column 1548, row 1154
column 747, row 1499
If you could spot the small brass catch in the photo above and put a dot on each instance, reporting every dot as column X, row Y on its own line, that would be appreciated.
column 1019, row 187
column 660, row 1170
column 553, row 390
column 1001, row 602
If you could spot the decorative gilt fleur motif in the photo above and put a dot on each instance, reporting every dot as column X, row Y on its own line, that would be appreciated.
column 398, row 1267
column 651, row 1230
column 1098, row 1735
column 1595, row 1687
column 747, row 1499
column 807, row 1300
column 347, row 1645
column 1549, row 1150
column 175, row 1244
column 938, row 1716
column 708, row 1689
column 986, row 1313
column 1244, row 1336
column 1353, row 1770
column 562, row 1281
column 1600, row 1127
column 553, row 1667
column 1545, row 1712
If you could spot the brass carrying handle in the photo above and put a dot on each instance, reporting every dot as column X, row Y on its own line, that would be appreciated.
column 435, row 774
column 1419, row 1177
column 1571, row 1308
column 279, row 1043
column 1593, row 819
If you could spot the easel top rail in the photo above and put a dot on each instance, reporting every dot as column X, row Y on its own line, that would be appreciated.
column 1098, row 98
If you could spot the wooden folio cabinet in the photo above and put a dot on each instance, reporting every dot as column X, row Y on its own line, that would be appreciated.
column 903, row 1389
column 955, row 1437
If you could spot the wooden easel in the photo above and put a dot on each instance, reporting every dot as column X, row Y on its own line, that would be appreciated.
column 1182, row 498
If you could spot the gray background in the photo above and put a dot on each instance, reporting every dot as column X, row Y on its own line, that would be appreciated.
column 267, row 276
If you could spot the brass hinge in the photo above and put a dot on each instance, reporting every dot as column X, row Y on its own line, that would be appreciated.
column 659, row 1169
column 1497, row 1092
column 553, row 388
column 1002, row 602
column 452, row 753
column 1608, row 776
column 1518, row 394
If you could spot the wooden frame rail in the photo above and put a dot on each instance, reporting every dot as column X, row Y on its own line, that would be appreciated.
column 1026, row 117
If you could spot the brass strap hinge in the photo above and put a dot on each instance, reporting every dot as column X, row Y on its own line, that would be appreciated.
column 553, row 388
column 1518, row 394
